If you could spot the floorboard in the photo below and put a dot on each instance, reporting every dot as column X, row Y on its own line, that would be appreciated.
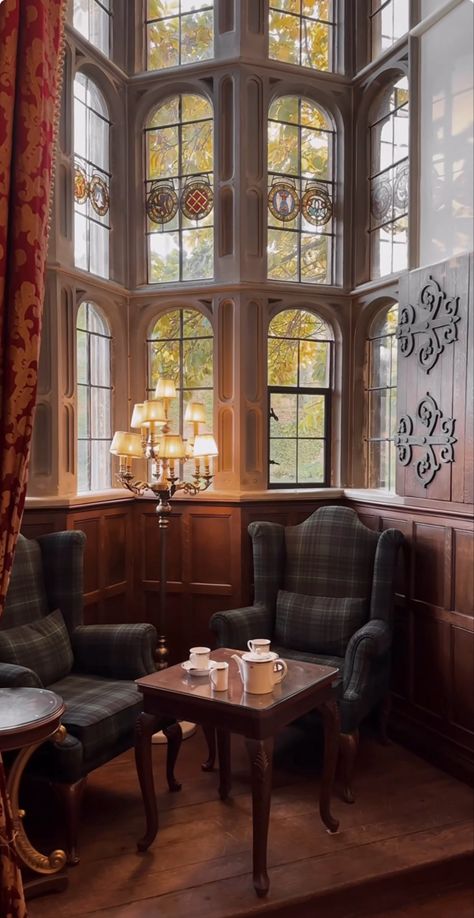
column 411, row 824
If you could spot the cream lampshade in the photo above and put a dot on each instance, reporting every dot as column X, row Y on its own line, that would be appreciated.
column 138, row 415
column 127, row 444
column 165, row 388
column 153, row 412
column 204, row 445
column 172, row 446
column 195, row 412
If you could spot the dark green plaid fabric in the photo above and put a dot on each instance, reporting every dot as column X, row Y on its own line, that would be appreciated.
column 120, row 651
column 330, row 554
column 318, row 624
column 323, row 659
column 383, row 588
column 370, row 642
column 63, row 567
column 236, row 626
column 18, row 677
column 268, row 543
column 26, row 598
column 98, row 711
column 42, row 646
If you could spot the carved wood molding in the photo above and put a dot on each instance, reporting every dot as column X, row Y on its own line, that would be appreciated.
column 435, row 319
column 439, row 431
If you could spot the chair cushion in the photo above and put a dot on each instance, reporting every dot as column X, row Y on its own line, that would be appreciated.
column 99, row 711
column 41, row 645
column 318, row 624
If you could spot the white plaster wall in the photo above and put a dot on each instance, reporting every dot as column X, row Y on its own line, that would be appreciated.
column 446, row 135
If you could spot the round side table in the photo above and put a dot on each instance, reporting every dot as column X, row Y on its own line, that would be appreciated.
column 28, row 717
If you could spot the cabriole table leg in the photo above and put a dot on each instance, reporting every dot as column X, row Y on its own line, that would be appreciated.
column 261, row 761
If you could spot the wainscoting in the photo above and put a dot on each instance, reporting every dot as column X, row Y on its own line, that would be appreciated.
column 210, row 569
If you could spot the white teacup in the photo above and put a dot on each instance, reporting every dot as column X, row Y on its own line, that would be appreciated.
column 199, row 657
column 219, row 677
column 259, row 645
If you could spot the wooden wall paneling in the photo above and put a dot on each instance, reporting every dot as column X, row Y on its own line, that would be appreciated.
column 429, row 565
column 39, row 522
column 462, row 642
column 464, row 571
column 432, row 669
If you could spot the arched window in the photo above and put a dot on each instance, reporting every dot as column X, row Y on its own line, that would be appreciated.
column 180, row 347
column 94, row 399
column 382, row 399
column 389, row 20
column 302, row 32
column 179, row 190
column 300, row 359
column 92, row 18
column 301, row 155
column 389, row 148
column 91, row 177
column 179, row 32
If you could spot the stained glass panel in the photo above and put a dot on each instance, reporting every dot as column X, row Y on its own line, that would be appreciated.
column 300, row 192
column 92, row 178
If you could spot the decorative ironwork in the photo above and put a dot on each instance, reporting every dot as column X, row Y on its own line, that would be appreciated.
column 316, row 205
column 381, row 197
column 283, row 201
column 436, row 321
column 99, row 195
column 162, row 203
column 81, row 185
column 197, row 200
column 439, row 432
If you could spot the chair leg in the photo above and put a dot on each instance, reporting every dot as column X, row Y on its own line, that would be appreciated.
column 382, row 717
column 70, row 796
column 210, row 734
column 348, row 746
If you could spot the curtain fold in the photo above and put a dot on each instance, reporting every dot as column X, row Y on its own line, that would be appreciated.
column 31, row 42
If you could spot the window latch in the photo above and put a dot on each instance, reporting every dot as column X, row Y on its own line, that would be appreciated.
column 275, row 418
column 273, row 462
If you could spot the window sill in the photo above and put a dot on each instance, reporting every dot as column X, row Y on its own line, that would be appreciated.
column 78, row 500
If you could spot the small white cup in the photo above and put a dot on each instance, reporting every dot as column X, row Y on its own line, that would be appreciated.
column 219, row 677
column 199, row 657
column 259, row 645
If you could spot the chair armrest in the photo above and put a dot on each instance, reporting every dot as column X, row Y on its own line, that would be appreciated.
column 236, row 626
column 12, row 676
column 118, row 651
column 369, row 643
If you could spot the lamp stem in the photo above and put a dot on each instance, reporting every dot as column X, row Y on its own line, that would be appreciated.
column 162, row 648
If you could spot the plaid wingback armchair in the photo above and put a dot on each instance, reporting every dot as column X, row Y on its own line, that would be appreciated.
column 324, row 593
column 43, row 643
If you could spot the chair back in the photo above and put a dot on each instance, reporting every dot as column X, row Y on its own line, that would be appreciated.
column 26, row 598
column 330, row 554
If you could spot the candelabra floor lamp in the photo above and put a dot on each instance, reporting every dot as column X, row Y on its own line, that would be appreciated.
column 164, row 449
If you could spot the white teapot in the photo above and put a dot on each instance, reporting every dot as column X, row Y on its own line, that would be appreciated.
column 260, row 672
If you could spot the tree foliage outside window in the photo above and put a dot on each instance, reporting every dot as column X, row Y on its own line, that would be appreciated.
column 301, row 152
column 300, row 349
column 179, row 150
column 389, row 20
column 91, row 159
column 94, row 399
column 179, row 32
column 92, row 18
column 181, row 348
column 389, row 144
column 302, row 32
column 382, row 399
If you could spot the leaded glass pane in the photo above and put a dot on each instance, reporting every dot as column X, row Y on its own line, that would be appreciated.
column 301, row 32
column 179, row 190
column 311, row 462
column 381, row 399
column 300, row 192
column 389, row 21
column 93, row 399
column 92, row 18
column 311, row 415
column 179, row 32
column 91, row 178
column 283, row 414
column 283, row 462
column 314, row 364
column 282, row 362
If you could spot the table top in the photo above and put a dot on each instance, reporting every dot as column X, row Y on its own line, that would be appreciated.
column 302, row 679
column 23, row 708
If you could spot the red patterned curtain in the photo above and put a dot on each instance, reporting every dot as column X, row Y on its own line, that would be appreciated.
column 31, row 37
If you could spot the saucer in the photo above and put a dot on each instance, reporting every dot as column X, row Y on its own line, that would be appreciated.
column 193, row 671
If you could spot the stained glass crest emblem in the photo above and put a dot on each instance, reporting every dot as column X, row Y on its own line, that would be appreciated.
column 81, row 185
column 162, row 202
column 99, row 195
column 316, row 205
column 197, row 200
column 283, row 201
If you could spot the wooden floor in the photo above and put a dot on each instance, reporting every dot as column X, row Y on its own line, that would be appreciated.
column 401, row 850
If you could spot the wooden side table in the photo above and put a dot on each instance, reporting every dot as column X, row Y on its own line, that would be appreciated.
column 28, row 717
